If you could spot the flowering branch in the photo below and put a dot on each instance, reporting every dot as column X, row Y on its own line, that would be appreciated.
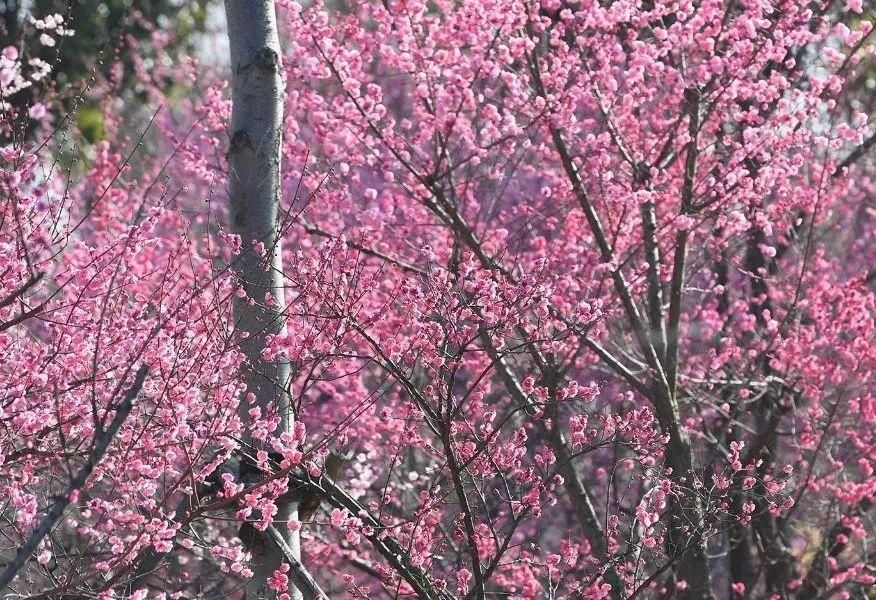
column 100, row 445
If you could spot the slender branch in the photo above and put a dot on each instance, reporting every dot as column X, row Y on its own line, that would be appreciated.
column 606, row 253
column 406, row 267
column 579, row 495
column 101, row 443
column 32, row 281
column 856, row 154
column 302, row 579
column 467, row 517
column 620, row 283
column 384, row 544
column 676, row 293
column 655, row 285
column 662, row 569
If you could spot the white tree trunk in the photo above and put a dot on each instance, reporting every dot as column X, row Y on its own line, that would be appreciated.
column 254, row 188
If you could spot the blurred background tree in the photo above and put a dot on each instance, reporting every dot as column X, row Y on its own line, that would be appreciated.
column 106, row 32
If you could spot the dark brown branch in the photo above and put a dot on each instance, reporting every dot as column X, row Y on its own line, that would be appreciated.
column 818, row 576
column 34, row 279
column 467, row 516
column 408, row 268
column 578, row 494
column 621, row 285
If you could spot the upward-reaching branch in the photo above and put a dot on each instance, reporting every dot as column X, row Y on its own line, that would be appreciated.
column 676, row 288
column 621, row 286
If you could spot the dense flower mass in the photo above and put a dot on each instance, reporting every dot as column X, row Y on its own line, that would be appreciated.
column 579, row 303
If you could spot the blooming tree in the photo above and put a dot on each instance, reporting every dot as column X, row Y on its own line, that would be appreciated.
column 576, row 300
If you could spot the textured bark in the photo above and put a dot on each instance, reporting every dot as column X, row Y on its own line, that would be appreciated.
column 254, row 188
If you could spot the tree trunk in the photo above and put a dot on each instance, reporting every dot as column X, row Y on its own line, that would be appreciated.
column 254, row 189
column 686, row 534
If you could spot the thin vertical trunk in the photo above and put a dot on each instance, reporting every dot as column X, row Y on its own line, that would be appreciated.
column 254, row 189
column 686, row 536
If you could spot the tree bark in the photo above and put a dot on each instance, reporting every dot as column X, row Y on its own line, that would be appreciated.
column 254, row 190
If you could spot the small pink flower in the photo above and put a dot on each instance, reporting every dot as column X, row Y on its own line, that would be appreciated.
column 337, row 517
column 37, row 111
column 462, row 578
column 684, row 223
